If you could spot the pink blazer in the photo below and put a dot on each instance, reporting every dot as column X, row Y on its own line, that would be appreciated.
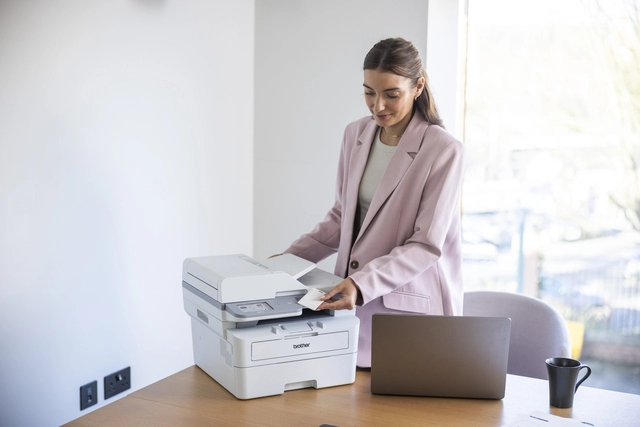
column 408, row 251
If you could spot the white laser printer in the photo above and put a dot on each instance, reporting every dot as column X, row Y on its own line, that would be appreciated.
column 251, row 335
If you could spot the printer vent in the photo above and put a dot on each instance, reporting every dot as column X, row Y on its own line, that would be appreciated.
column 224, row 351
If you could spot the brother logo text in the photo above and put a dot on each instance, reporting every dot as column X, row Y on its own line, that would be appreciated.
column 303, row 345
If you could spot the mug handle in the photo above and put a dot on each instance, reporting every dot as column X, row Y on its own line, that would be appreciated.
column 583, row 378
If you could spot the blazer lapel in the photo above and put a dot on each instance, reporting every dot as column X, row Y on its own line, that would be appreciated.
column 357, row 163
column 408, row 147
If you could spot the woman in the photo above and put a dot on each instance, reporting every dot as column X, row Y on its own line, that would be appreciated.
column 396, row 219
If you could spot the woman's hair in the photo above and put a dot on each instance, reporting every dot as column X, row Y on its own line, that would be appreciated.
column 400, row 57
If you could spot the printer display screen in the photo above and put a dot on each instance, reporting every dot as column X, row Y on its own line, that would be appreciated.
column 255, row 307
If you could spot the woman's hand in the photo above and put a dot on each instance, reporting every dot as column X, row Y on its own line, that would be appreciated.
column 342, row 297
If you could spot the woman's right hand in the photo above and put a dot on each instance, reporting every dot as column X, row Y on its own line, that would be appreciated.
column 348, row 292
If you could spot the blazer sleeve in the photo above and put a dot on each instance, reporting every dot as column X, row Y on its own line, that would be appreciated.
column 438, row 213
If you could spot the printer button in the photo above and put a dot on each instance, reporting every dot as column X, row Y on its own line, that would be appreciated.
column 354, row 264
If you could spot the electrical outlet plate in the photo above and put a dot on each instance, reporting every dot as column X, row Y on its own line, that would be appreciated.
column 88, row 395
column 117, row 382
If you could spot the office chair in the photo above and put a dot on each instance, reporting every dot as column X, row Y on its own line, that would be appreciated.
column 538, row 331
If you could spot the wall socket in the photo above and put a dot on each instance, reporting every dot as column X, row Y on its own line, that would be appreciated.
column 88, row 395
column 117, row 382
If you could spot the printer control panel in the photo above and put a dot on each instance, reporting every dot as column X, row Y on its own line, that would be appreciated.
column 254, row 307
column 277, row 306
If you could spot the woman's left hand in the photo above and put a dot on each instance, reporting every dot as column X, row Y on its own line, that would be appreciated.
column 347, row 292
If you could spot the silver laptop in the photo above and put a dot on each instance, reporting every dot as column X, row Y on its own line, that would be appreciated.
column 441, row 356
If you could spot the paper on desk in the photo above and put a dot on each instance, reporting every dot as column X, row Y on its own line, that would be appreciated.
column 312, row 299
column 537, row 418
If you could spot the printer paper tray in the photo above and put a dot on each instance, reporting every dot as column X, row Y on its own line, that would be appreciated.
column 265, row 350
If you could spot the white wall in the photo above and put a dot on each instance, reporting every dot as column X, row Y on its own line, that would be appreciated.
column 309, row 58
column 445, row 59
column 125, row 146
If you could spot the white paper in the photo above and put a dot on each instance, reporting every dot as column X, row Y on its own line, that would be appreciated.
column 292, row 265
column 312, row 299
column 537, row 418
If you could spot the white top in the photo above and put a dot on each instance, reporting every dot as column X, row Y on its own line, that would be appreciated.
column 379, row 159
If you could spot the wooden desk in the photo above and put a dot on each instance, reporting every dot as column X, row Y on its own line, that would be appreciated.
column 192, row 398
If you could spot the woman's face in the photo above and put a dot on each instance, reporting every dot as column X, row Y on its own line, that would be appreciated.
column 390, row 97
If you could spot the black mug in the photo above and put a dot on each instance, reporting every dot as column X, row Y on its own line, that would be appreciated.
column 563, row 380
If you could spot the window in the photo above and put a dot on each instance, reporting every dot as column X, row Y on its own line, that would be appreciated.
column 551, row 198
